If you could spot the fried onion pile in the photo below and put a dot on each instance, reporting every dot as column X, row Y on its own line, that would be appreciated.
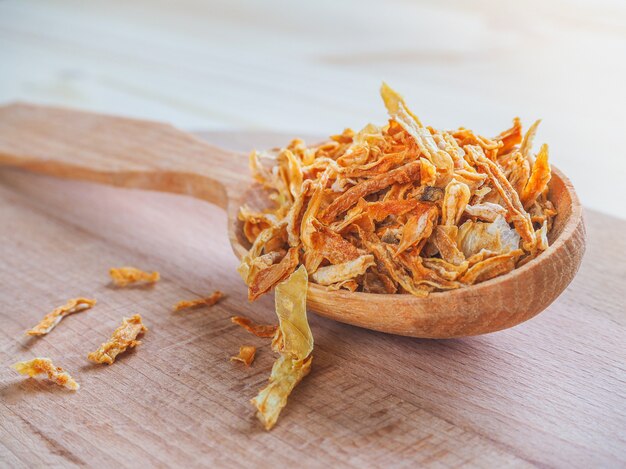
column 403, row 208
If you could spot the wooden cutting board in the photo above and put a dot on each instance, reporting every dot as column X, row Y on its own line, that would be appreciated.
column 551, row 392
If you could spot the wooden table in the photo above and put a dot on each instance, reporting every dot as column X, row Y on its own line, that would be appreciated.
column 550, row 392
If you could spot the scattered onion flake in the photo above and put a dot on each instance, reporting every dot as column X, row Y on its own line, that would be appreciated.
column 259, row 330
column 246, row 355
column 208, row 301
column 294, row 341
column 123, row 337
column 39, row 366
column 124, row 276
column 51, row 319
column 400, row 208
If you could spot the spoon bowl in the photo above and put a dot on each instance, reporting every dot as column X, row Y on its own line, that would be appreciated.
column 489, row 306
column 149, row 155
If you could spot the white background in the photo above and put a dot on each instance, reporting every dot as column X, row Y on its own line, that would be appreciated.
column 315, row 68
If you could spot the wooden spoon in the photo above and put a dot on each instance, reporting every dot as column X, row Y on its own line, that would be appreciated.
column 150, row 155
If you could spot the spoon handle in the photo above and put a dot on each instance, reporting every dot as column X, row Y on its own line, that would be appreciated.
column 118, row 151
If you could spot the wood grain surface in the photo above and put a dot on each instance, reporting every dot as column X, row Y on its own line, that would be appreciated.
column 550, row 392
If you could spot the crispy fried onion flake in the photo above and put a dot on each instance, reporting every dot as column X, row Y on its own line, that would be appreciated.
column 208, row 301
column 51, row 319
column 294, row 341
column 246, row 355
column 123, row 337
column 259, row 330
column 38, row 366
column 401, row 208
column 124, row 276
